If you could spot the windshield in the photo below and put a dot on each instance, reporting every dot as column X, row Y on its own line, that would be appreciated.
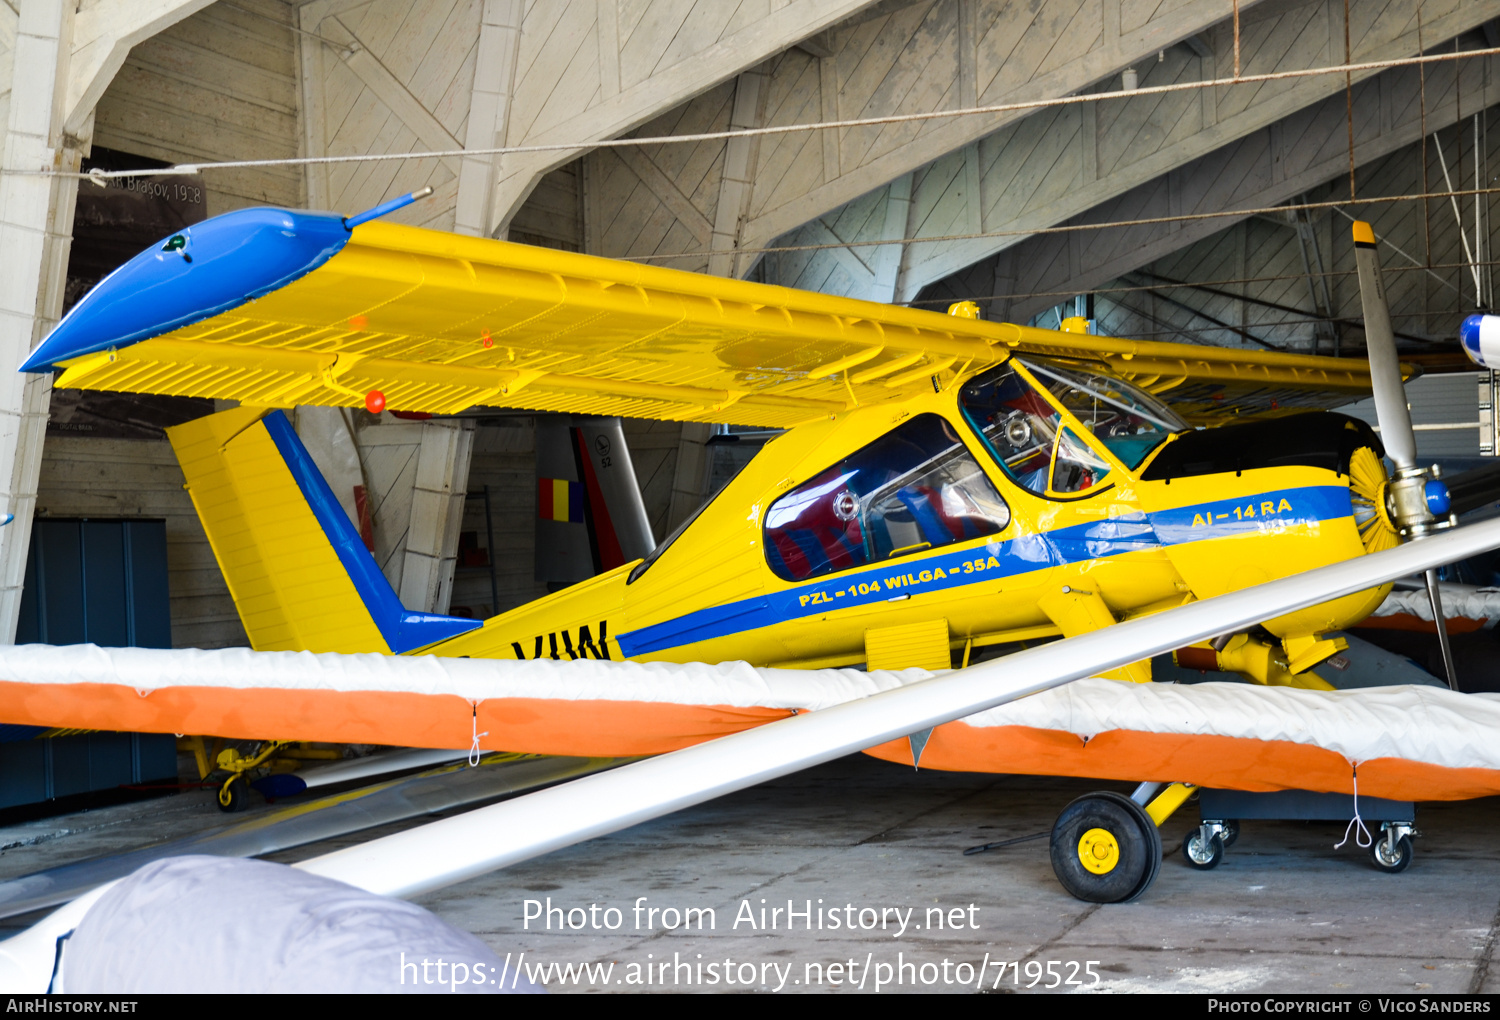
column 1126, row 421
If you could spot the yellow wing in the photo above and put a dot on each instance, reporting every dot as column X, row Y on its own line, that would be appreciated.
column 439, row 323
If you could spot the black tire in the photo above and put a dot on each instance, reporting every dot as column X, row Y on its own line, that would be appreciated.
column 1135, row 837
column 1231, row 832
column 1153, row 836
column 1204, row 858
column 234, row 796
column 1402, row 860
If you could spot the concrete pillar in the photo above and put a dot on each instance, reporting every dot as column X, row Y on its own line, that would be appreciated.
column 36, row 231
column 489, row 114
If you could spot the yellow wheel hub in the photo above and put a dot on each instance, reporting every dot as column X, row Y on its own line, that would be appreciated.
column 1098, row 851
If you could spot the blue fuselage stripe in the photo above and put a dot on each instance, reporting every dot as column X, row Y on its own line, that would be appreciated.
column 1135, row 532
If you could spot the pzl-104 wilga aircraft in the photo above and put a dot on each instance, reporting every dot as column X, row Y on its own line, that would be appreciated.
column 945, row 485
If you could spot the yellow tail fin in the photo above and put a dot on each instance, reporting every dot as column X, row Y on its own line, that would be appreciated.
column 297, row 569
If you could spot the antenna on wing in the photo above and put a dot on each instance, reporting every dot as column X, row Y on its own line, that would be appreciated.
column 1418, row 503
column 384, row 208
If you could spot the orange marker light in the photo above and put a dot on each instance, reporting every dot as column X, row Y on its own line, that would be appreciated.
column 374, row 401
column 358, row 322
column 488, row 342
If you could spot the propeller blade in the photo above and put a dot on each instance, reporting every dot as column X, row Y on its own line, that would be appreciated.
column 1380, row 345
column 1419, row 498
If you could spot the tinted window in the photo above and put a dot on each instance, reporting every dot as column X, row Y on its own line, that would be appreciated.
column 914, row 488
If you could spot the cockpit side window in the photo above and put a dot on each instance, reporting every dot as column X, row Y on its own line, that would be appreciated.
column 1076, row 467
column 1017, row 423
column 916, row 487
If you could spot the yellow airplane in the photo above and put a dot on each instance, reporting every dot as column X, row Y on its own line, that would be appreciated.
column 944, row 484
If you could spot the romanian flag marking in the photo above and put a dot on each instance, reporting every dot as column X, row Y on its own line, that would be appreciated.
column 560, row 500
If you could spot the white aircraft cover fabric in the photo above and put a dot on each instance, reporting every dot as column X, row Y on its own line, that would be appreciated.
column 223, row 925
column 1419, row 724
column 1458, row 601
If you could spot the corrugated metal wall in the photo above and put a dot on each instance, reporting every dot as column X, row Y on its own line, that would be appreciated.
column 1451, row 399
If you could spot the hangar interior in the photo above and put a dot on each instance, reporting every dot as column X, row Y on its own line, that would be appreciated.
column 1049, row 161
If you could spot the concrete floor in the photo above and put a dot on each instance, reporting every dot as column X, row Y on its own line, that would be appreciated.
column 1285, row 912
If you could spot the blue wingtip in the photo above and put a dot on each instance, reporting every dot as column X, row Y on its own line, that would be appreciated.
column 196, row 273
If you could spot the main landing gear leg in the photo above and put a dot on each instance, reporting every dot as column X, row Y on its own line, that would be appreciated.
column 1106, row 848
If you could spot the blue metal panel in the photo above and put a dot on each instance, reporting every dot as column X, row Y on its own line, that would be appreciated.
column 146, row 560
column 28, row 626
column 103, row 582
column 68, row 765
column 60, row 603
column 105, row 599
column 155, row 757
column 111, row 759
column 23, row 763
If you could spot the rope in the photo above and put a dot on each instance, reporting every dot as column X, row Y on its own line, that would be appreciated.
column 1068, row 228
column 706, row 136
column 1369, row 840
column 981, row 848
column 474, row 723
column 1200, row 284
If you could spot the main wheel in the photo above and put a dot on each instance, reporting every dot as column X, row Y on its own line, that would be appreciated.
column 1201, row 855
column 1105, row 848
column 1392, row 865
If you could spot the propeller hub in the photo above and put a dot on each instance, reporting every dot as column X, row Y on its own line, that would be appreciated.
column 1439, row 501
column 1417, row 502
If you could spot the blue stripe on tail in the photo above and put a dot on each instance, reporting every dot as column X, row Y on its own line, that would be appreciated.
column 402, row 628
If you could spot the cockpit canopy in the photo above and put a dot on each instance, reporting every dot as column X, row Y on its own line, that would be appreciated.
column 1017, row 409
